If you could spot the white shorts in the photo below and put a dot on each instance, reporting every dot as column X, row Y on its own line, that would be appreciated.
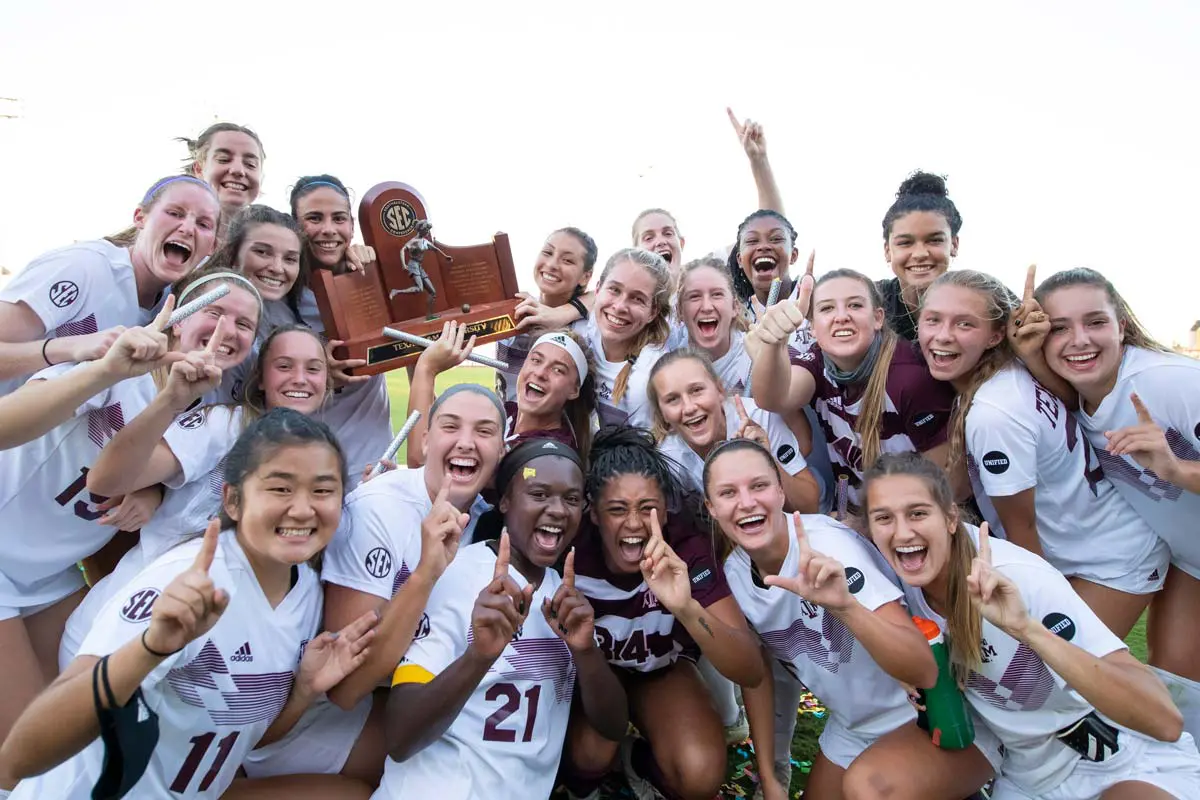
column 843, row 746
column 318, row 744
column 1145, row 577
column 1173, row 767
column 27, row 600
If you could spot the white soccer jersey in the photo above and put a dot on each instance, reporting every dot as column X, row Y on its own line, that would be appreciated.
column 733, row 368
column 215, row 698
column 506, row 742
column 378, row 543
column 783, row 444
column 1017, row 696
column 1020, row 436
column 1169, row 386
column 634, row 408
column 360, row 415
column 814, row 645
column 49, row 516
column 83, row 288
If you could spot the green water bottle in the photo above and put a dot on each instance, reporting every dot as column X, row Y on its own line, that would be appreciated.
column 945, row 717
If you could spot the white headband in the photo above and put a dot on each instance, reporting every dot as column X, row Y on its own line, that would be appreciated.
column 222, row 276
column 573, row 350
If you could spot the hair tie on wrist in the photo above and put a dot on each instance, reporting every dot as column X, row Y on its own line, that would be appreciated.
column 154, row 652
column 45, row 357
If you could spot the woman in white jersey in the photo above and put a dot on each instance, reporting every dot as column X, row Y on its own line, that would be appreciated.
column 1149, row 447
column 561, row 272
column 479, row 705
column 1078, row 716
column 359, row 410
column 554, row 392
column 839, row 627
column 654, row 621
column 627, row 333
column 70, row 304
column 872, row 392
column 1033, row 471
column 216, row 640
column 692, row 415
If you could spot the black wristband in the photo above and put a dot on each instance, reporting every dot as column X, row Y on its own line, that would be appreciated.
column 579, row 306
column 154, row 652
column 45, row 357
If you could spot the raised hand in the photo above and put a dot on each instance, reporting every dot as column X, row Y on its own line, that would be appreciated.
column 195, row 374
column 1029, row 325
column 748, row 428
column 358, row 256
column 569, row 614
column 130, row 512
column 993, row 594
column 819, row 578
column 448, row 351
column 338, row 366
column 190, row 605
column 664, row 571
column 368, row 471
column 500, row 609
column 331, row 657
column 441, row 532
column 533, row 316
column 1145, row 443
column 93, row 346
column 137, row 351
column 750, row 134
column 777, row 324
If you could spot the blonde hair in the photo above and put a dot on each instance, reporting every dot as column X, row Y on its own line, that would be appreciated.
column 1000, row 303
column 648, row 212
column 657, row 329
column 741, row 321
column 128, row 236
column 1136, row 334
column 659, row 427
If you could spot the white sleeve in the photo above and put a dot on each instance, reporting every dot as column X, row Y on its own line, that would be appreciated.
column 1050, row 599
column 59, row 286
column 200, row 439
column 867, row 583
column 1004, row 447
column 784, row 446
column 376, row 545
column 441, row 642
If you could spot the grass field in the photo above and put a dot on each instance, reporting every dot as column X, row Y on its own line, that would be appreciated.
column 810, row 721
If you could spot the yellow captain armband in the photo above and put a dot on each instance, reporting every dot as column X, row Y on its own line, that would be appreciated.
column 411, row 673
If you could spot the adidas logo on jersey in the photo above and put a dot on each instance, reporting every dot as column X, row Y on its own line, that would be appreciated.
column 243, row 654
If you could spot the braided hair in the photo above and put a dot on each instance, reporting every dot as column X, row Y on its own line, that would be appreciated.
column 625, row 450
column 741, row 283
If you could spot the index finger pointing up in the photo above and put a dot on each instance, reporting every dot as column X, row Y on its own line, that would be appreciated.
column 208, row 548
column 737, row 126
column 812, row 260
column 1143, row 413
column 214, row 339
column 801, row 536
column 655, row 527
column 985, row 543
column 502, row 555
column 741, row 408
column 569, row 570
column 160, row 322
column 1030, row 282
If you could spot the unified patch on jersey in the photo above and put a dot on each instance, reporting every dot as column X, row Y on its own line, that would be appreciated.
column 63, row 293
column 700, row 575
column 995, row 462
column 785, row 453
column 379, row 562
column 855, row 580
column 925, row 420
column 1060, row 625
column 139, row 605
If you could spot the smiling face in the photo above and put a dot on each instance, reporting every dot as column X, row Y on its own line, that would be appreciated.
column 1084, row 346
column 625, row 303
column 548, row 380
column 690, row 403
column 708, row 306
column 177, row 231
column 765, row 252
column 954, row 331
column 658, row 233
column 745, row 498
column 559, row 268
column 324, row 213
column 289, row 507
column 240, row 309
column 270, row 258
column 844, row 321
column 910, row 528
column 920, row 248
column 232, row 166
column 622, row 514
column 295, row 373
column 542, row 509
column 463, row 446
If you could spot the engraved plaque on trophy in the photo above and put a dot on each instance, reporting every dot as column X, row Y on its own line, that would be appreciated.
column 416, row 284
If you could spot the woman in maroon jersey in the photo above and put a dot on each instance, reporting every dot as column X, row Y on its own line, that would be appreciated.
column 660, row 602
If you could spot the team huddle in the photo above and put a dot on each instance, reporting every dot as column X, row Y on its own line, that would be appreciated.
column 698, row 489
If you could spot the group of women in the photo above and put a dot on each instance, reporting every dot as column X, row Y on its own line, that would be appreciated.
column 685, row 501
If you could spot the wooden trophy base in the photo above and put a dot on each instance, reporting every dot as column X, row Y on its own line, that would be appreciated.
column 488, row 322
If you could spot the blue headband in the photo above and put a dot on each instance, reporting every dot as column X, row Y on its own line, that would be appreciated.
column 153, row 189
column 339, row 189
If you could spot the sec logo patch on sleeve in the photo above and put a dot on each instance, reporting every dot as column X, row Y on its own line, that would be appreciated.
column 855, row 580
column 63, row 293
column 423, row 628
column 139, row 605
column 1060, row 625
column 995, row 462
column 379, row 562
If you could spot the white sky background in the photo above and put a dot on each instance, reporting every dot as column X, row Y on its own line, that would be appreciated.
column 1068, row 130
